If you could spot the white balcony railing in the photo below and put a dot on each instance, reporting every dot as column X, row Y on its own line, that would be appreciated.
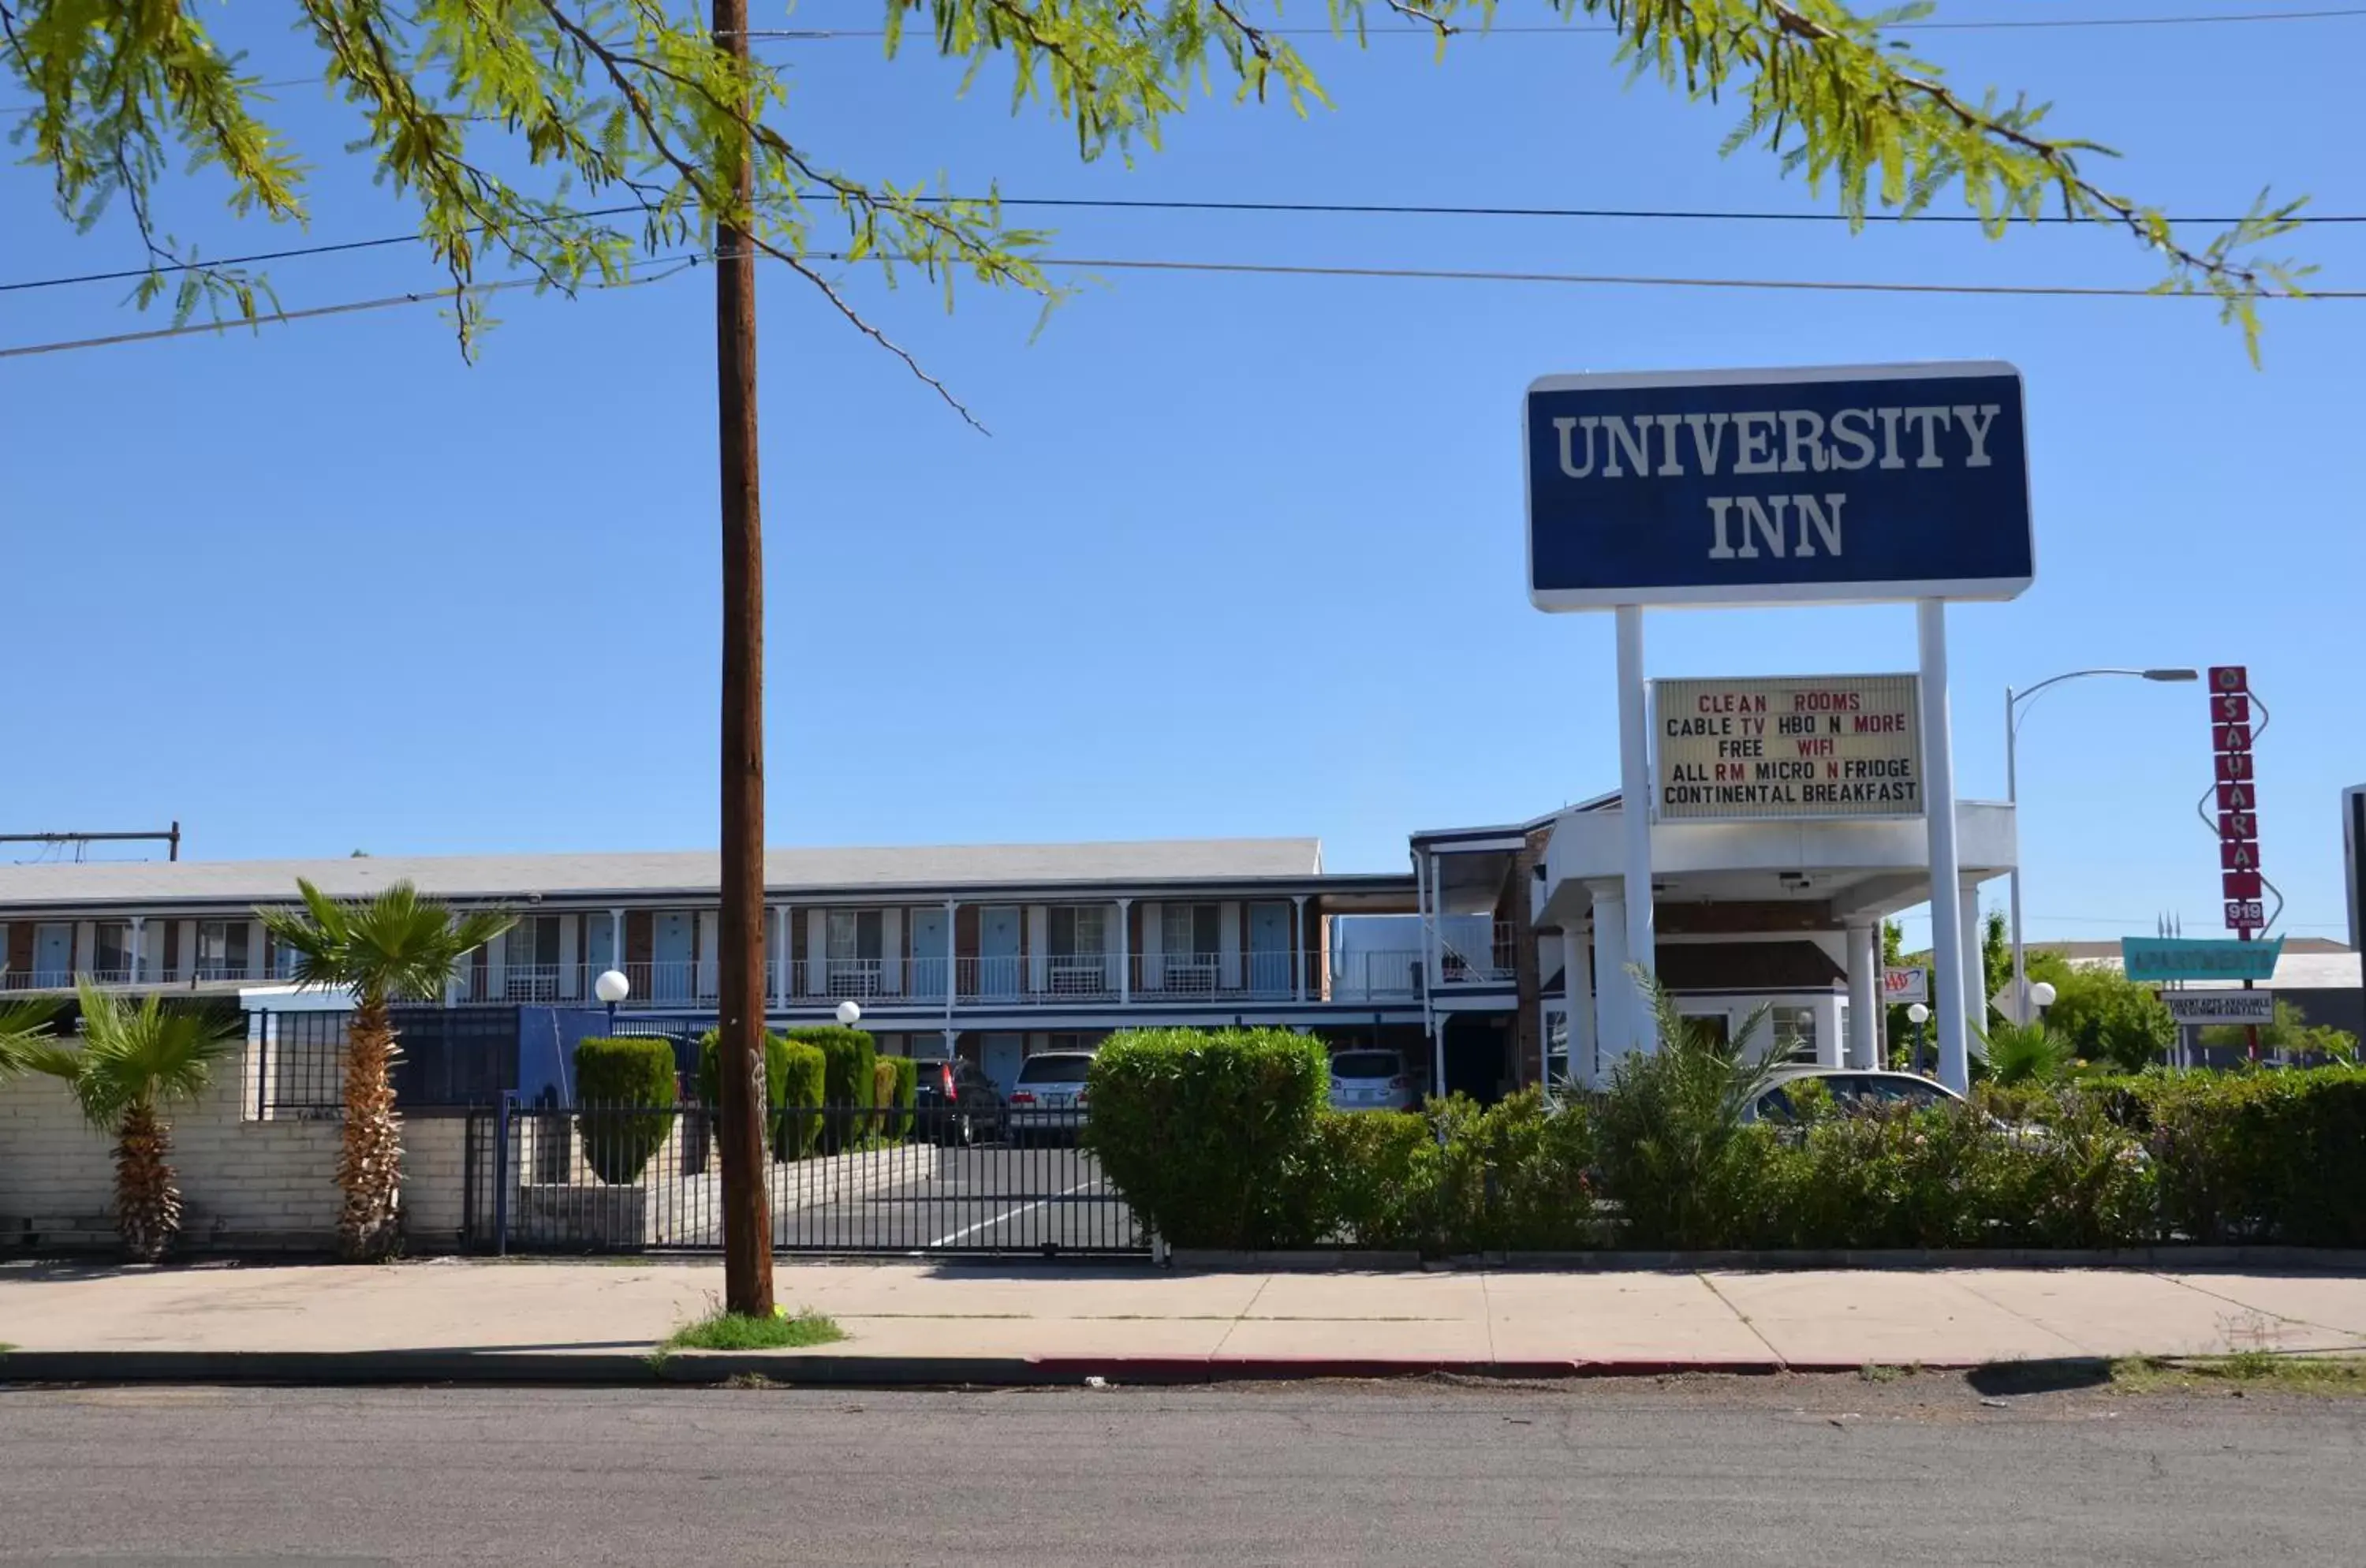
column 889, row 984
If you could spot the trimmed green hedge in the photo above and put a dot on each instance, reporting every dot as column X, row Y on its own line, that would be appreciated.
column 1207, row 1133
column 897, row 1097
column 2271, row 1155
column 850, row 1080
column 1219, row 1139
column 793, row 1083
column 629, row 1088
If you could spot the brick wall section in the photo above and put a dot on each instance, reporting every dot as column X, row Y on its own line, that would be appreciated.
column 434, row 1179
column 245, row 1185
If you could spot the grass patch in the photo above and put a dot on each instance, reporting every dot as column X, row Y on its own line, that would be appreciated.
column 2244, row 1371
column 784, row 1330
column 1876, row 1371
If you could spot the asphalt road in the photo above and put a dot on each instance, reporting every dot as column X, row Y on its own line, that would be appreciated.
column 1833, row 1473
column 992, row 1198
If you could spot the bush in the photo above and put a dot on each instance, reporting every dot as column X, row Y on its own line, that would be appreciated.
column 898, row 1097
column 1210, row 1134
column 1370, row 1179
column 1677, row 1153
column 850, row 1081
column 1957, row 1176
column 2109, row 1018
column 628, row 1086
column 2255, row 1156
column 793, row 1083
column 1514, row 1177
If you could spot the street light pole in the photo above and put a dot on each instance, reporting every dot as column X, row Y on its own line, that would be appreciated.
column 2012, row 700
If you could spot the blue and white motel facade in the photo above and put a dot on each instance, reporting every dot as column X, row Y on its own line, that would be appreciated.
column 1765, row 824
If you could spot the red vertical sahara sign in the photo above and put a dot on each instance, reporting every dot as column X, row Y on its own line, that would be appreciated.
column 2239, row 821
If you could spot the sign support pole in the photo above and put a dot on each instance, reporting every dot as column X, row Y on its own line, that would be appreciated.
column 1635, row 810
column 1939, row 796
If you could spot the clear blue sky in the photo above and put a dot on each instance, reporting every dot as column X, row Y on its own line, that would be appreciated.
column 1243, row 555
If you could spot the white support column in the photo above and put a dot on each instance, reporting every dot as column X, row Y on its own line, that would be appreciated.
column 85, row 946
column 616, row 944
column 258, row 950
column 1614, row 988
column 1865, row 994
column 1976, row 967
column 497, row 964
column 780, row 958
column 1635, row 803
column 1433, row 931
column 1578, row 991
column 1124, row 952
column 1297, row 948
column 952, row 970
column 1939, row 800
column 139, row 946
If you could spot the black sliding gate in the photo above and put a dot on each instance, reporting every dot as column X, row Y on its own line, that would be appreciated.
column 596, row 1178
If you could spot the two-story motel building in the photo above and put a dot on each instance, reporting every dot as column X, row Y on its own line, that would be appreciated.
column 1489, row 963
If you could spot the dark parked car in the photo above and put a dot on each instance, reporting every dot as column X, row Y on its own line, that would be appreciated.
column 954, row 1102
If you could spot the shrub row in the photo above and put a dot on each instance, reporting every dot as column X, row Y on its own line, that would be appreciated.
column 1224, row 1139
column 793, row 1088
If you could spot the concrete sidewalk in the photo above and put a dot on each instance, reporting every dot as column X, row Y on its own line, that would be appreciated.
column 1022, row 1321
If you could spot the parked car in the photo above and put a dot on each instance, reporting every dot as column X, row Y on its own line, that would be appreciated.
column 955, row 1103
column 1850, row 1086
column 1047, row 1102
column 1369, row 1080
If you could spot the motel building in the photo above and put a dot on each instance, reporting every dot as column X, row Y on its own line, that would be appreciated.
column 1495, row 960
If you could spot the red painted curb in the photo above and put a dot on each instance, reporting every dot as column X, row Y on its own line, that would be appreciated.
column 1216, row 1368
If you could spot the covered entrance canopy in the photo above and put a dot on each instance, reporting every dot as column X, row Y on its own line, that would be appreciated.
column 1781, row 912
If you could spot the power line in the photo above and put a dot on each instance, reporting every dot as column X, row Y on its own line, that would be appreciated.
column 1258, row 269
column 1150, row 204
column 2018, row 24
column 350, row 307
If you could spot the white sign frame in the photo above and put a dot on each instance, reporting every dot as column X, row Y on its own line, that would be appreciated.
column 1991, row 589
column 1914, row 716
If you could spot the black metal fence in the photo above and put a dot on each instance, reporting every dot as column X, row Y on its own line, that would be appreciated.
column 609, row 1178
column 446, row 1057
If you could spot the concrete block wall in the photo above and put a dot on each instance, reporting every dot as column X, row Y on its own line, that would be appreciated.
column 245, row 1185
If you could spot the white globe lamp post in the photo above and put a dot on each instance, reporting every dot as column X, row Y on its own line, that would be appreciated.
column 849, row 1013
column 611, row 988
column 1918, row 1015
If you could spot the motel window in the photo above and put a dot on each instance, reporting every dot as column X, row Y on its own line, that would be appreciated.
column 221, row 950
column 1189, row 929
column 1793, row 1029
column 533, row 943
column 1079, row 931
column 111, row 947
column 855, row 934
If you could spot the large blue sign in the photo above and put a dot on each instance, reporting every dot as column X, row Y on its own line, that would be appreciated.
column 1740, row 487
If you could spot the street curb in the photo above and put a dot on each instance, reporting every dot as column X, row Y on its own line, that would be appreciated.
column 796, row 1369
column 2314, row 1259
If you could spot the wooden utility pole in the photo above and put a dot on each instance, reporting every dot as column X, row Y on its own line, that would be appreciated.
column 747, row 1219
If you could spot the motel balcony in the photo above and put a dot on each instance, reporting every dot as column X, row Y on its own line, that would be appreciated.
column 978, row 984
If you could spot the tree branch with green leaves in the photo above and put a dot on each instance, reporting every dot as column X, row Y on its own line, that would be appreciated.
column 561, row 141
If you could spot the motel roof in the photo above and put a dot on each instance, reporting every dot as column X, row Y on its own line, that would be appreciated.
column 639, row 875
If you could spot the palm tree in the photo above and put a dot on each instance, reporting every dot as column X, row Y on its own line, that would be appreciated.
column 2027, row 1052
column 23, row 1027
column 135, row 1060
column 397, row 945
